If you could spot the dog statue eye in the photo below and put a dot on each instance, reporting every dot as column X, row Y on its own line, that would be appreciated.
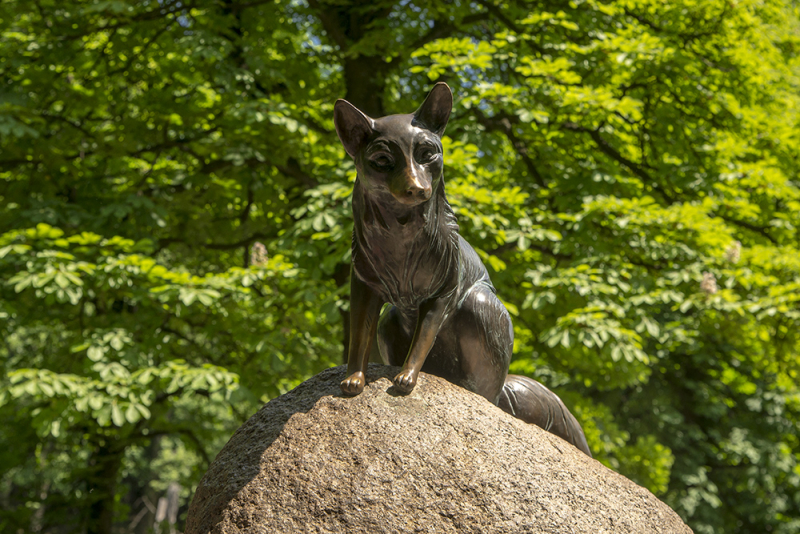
column 427, row 155
column 381, row 161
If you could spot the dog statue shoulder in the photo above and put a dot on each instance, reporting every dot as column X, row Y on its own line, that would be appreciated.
column 445, row 318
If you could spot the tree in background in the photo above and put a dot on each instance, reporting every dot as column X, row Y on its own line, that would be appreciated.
column 174, row 231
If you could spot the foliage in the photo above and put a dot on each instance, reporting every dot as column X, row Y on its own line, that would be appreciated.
column 174, row 230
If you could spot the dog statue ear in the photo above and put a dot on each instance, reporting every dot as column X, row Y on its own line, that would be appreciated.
column 352, row 126
column 434, row 112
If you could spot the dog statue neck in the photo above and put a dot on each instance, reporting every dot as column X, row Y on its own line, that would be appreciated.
column 381, row 212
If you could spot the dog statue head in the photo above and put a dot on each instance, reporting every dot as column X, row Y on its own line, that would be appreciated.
column 397, row 155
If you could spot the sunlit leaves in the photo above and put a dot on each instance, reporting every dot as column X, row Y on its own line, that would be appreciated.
column 111, row 394
column 626, row 170
column 659, row 249
column 456, row 55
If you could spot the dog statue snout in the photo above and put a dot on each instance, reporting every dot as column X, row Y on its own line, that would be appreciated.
column 415, row 192
column 417, row 188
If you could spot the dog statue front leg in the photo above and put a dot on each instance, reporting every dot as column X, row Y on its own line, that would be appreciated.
column 431, row 316
column 365, row 308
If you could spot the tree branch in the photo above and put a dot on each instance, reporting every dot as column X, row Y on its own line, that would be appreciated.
column 505, row 125
column 760, row 230
column 331, row 24
column 610, row 151
column 498, row 13
column 440, row 30
column 292, row 169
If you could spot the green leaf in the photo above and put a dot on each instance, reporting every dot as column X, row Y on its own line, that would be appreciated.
column 132, row 414
column 116, row 343
column 116, row 415
column 96, row 402
column 95, row 353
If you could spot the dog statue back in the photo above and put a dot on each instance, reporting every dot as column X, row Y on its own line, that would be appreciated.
column 445, row 317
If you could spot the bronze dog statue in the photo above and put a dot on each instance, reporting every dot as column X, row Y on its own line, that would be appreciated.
column 445, row 317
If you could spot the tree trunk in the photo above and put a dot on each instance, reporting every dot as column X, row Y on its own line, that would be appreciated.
column 365, row 82
column 365, row 79
column 104, row 468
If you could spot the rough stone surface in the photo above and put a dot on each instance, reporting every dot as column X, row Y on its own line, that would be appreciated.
column 438, row 460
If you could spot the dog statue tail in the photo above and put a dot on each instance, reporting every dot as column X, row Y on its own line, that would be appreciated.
column 527, row 399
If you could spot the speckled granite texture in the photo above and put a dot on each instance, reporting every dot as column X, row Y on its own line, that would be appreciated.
column 438, row 460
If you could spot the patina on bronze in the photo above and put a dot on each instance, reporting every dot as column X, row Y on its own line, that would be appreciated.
column 445, row 318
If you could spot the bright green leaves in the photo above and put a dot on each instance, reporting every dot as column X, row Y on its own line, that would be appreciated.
column 558, row 70
column 649, row 462
column 662, row 233
column 176, row 213
column 454, row 55
column 137, row 333
column 206, row 297
column 320, row 238
column 114, row 396
column 654, row 242
column 104, row 343
column 144, row 150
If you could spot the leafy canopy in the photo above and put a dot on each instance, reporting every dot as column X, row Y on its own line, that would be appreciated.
column 175, row 222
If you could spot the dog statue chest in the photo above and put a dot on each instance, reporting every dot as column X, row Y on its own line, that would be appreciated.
column 406, row 261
